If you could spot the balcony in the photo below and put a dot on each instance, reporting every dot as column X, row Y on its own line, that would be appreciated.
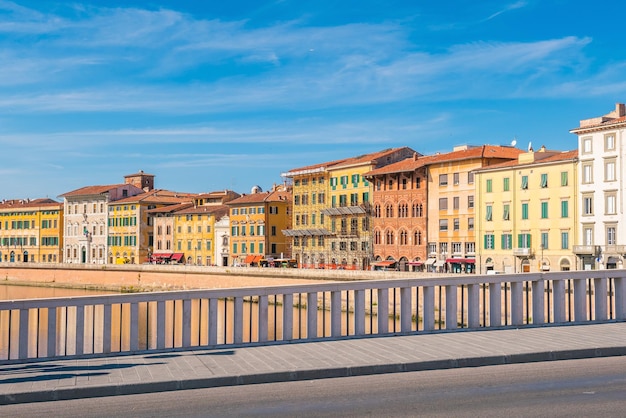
column 521, row 252
column 614, row 249
column 586, row 249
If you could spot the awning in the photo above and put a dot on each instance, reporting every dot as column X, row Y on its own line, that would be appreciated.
column 249, row 259
column 178, row 257
column 257, row 258
column 430, row 261
column 162, row 256
column 460, row 260
column 439, row 263
column 385, row 263
column 415, row 263
column 470, row 260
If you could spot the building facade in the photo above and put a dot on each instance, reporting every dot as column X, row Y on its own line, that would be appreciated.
column 31, row 231
column 526, row 213
column 601, row 241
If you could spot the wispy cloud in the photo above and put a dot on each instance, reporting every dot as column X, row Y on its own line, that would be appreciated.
column 508, row 8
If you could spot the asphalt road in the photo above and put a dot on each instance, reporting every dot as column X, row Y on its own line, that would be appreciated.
column 573, row 388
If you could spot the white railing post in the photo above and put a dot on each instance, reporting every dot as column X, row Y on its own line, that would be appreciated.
column 238, row 321
column 406, row 312
column 134, row 326
column 517, row 303
column 451, row 307
column 335, row 313
column 495, row 304
column 359, row 312
column 23, row 334
column 600, row 289
column 620, row 298
column 213, row 321
column 263, row 312
column 287, row 317
column 80, row 330
column 160, row 324
column 580, row 300
column 539, row 316
column 311, row 315
column 186, row 323
column 383, row 310
column 473, row 305
column 558, row 303
column 429, row 308
column 52, row 332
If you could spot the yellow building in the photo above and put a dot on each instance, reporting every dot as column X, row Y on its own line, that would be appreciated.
column 257, row 221
column 332, row 210
column 31, row 231
column 526, row 213
column 130, row 228
column 195, row 233
column 451, row 204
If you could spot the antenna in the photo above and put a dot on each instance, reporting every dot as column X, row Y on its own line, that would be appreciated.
column 530, row 146
column 514, row 141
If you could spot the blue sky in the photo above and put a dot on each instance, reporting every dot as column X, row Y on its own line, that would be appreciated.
column 211, row 95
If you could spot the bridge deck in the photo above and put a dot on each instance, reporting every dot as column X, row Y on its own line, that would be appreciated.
column 143, row 373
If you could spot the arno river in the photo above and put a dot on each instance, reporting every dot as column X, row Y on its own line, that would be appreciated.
column 12, row 292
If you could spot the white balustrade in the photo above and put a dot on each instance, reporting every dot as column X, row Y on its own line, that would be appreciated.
column 99, row 325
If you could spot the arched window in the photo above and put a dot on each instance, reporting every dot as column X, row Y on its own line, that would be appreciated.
column 389, row 237
column 389, row 211
column 404, row 237
column 417, row 238
column 377, row 237
column 377, row 211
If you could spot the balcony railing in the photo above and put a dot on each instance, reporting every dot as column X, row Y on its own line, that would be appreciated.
column 521, row 252
column 586, row 249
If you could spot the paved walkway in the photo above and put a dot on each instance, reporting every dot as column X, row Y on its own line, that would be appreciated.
column 154, row 372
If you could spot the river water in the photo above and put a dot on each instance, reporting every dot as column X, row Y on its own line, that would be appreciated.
column 13, row 292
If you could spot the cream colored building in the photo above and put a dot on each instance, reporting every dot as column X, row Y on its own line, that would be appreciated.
column 527, row 213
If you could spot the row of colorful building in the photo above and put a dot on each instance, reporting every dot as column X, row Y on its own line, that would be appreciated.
column 477, row 208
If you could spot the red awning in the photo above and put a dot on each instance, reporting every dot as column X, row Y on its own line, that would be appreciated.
column 177, row 257
column 249, row 259
column 257, row 258
column 415, row 263
column 385, row 263
column 460, row 260
column 470, row 260
column 162, row 256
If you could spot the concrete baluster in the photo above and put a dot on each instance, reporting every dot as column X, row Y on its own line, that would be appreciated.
column 359, row 312
column 237, row 321
column 80, row 330
column 52, row 332
column 406, row 310
column 473, row 305
column 160, row 327
column 451, row 307
column 335, row 313
column 263, row 311
column 213, row 322
column 558, row 301
column 186, row 322
column 539, row 315
column 517, row 303
column 620, row 298
column 580, row 300
column 601, row 292
column 495, row 304
column 23, row 334
column 383, row 311
column 429, row 308
column 311, row 315
column 287, row 317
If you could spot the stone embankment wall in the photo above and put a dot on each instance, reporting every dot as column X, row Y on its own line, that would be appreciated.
column 149, row 277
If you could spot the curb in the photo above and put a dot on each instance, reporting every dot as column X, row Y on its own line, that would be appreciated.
column 300, row 375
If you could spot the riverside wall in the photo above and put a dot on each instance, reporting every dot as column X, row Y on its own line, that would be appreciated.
column 150, row 277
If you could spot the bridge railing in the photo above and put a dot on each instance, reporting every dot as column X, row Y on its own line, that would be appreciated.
column 99, row 325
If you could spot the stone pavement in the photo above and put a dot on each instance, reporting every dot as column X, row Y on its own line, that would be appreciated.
column 56, row 379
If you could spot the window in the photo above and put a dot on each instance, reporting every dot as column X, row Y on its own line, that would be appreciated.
column 564, row 208
column 564, row 240
column 470, row 178
column 609, row 170
column 443, row 224
column 524, row 210
column 587, row 235
column 544, row 210
column 507, row 241
column 443, row 179
column 455, row 203
column 524, row 182
column 443, row 203
column 505, row 184
column 455, row 177
column 609, row 142
column 523, row 241
column 506, row 211
column 610, row 203
column 457, row 224
column 587, row 173
column 470, row 224
column 488, row 242
column 544, row 181
column 587, row 205
column 489, row 186
column 564, row 178
column 489, row 213
column 586, row 145
column 470, row 202
column 611, row 231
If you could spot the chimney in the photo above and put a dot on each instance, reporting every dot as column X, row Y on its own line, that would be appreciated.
column 620, row 109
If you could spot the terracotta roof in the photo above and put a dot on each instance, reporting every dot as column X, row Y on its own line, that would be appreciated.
column 156, row 196
column 601, row 124
column 171, row 208
column 140, row 173
column 261, row 197
column 361, row 159
column 27, row 203
column 217, row 210
column 559, row 156
column 91, row 190
column 413, row 163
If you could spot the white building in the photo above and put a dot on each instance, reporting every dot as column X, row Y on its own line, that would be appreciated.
column 601, row 148
column 85, row 221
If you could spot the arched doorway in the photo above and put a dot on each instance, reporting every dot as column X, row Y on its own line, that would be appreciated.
column 26, row 256
column 12, row 257
column 525, row 265
column 564, row 265
column 83, row 255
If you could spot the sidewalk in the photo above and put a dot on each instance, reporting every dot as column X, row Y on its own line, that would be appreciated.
column 156, row 372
